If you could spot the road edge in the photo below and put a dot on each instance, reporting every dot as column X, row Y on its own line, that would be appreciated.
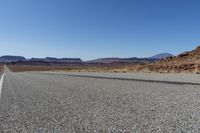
column 1, row 80
column 1, row 83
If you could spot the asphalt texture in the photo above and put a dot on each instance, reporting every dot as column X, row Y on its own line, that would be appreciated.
column 167, row 77
column 58, row 103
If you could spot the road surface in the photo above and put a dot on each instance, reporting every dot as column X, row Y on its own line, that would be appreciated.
column 63, row 103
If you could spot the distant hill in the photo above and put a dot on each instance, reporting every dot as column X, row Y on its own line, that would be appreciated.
column 132, row 59
column 188, row 61
column 61, row 60
column 9, row 58
column 122, row 60
column 161, row 56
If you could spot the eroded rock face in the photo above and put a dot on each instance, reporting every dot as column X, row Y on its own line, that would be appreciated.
column 197, row 69
column 188, row 62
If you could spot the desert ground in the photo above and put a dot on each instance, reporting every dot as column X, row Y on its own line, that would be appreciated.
column 1, row 68
column 23, row 68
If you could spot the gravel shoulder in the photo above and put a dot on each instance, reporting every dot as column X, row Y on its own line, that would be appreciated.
column 58, row 103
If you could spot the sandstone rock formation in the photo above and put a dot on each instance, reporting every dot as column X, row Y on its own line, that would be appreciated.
column 185, row 62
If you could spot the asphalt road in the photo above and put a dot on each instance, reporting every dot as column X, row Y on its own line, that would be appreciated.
column 58, row 103
column 167, row 77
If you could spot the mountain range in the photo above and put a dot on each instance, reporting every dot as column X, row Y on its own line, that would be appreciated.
column 188, row 62
column 11, row 59
column 132, row 59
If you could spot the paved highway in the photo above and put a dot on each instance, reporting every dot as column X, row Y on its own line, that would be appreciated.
column 59, row 103
column 182, row 78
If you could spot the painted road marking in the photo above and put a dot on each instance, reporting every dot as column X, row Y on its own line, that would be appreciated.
column 1, row 83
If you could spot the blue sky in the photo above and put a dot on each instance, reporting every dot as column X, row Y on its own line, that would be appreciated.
column 98, row 28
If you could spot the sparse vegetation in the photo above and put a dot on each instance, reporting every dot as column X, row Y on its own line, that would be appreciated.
column 1, row 68
column 22, row 68
column 90, row 68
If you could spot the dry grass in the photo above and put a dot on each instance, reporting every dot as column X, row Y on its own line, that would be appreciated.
column 22, row 68
column 1, row 68
column 106, row 68
column 158, row 67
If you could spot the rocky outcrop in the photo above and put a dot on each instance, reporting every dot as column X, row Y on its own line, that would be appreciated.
column 188, row 62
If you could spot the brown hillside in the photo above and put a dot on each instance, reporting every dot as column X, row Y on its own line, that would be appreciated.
column 185, row 62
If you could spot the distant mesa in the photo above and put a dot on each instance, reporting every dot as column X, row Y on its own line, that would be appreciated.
column 14, row 59
column 121, row 60
column 132, row 59
column 61, row 60
column 9, row 58
column 187, row 62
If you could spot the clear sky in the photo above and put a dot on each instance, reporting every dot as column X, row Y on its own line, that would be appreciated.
column 98, row 28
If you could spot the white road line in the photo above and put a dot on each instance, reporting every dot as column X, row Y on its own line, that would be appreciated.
column 1, row 83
